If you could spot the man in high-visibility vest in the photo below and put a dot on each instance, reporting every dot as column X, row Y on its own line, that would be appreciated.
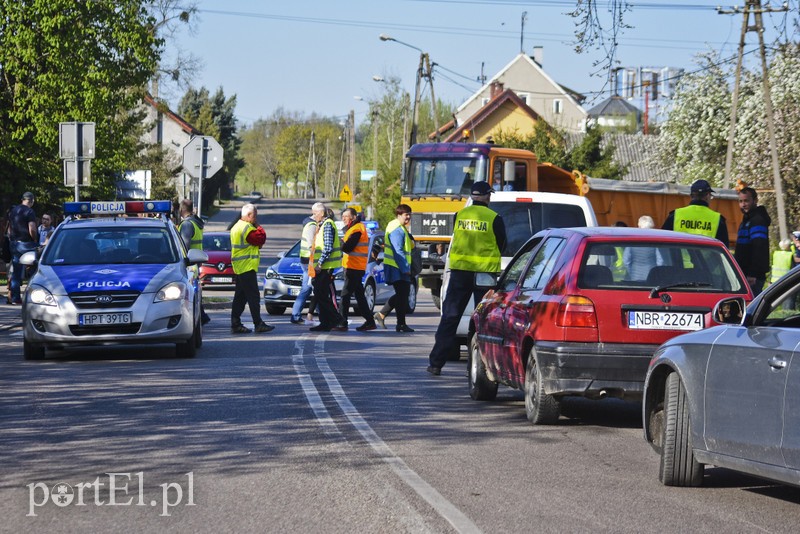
column 355, row 250
column 697, row 217
column 247, row 238
column 752, row 240
column 327, row 257
column 191, row 230
column 479, row 236
column 307, row 236
column 782, row 260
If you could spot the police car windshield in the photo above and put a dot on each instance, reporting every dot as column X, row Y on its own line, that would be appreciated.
column 101, row 246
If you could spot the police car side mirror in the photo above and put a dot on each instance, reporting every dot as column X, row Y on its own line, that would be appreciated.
column 196, row 257
column 29, row 258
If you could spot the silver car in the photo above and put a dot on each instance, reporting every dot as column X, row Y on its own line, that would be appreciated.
column 113, row 280
column 729, row 396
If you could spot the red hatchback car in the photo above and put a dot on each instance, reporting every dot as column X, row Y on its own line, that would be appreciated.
column 580, row 312
column 217, row 271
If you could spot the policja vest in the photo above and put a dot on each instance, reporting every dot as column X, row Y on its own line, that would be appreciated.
column 696, row 219
column 474, row 245
column 244, row 256
column 388, row 251
column 335, row 258
column 782, row 261
column 357, row 258
column 305, row 246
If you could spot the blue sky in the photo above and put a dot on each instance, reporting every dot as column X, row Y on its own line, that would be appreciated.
column 316, row 55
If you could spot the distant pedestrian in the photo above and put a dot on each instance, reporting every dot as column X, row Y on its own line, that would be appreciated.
column 355, row 248
column 639, row 260
column 45, row 230
column 24, row 238
column 307, row 235
column 327, row 257
column 398, row 244
column 247, row 238
column 782, row 260
column 697, row 217
column 479, row 236
column 752, row 240
column 191, row 230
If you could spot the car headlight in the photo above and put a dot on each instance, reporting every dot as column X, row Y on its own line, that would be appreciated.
column 39, row 295
column 271, row 273
column 171, row 291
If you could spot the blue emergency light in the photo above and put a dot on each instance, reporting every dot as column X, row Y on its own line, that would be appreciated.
column 131, row 207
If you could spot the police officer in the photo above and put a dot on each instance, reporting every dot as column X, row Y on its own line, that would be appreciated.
column 327, row 258
column 247, row 238
column 479, row 236
column 307, row 236
column 355, row 249
column 697, row 217
column 191, row 230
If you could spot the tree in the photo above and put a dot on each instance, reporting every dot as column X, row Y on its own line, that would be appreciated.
column 62, row 60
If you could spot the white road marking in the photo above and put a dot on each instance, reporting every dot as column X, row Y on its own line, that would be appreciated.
column 312, row 394
column 443, row 507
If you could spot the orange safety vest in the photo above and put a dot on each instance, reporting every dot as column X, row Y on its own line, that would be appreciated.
column 357, row 258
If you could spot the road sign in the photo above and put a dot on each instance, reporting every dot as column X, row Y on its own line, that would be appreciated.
column 366, row 176
column 76, row 137
column 83, row 169
column 202, row 157
column 346, row 195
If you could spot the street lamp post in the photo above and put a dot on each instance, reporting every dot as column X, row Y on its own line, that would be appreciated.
column 424, row 61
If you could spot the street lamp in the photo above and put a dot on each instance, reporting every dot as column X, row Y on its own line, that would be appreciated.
column 424, row 64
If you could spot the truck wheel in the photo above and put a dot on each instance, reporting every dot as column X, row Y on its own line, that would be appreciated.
column 480, row 387
column 678, row 466
column 31, row 351
column 412, row 299
column 541, row 408
column 275, row 310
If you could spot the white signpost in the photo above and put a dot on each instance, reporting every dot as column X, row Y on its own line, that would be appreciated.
column 76, row 148
column 202, row 159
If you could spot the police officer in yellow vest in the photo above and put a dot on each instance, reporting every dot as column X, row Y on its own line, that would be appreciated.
column 355, row 249
column 191, row 230
column 327, row 257
column 247, row 238
column 697, row 217
column 782, row 260
column 479, row 236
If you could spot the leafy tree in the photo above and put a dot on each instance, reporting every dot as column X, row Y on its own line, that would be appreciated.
column 62, row 60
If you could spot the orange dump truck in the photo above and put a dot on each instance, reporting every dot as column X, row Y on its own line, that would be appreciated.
column 438, row 177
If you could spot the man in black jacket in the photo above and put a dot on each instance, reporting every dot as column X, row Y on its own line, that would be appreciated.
column 752, row 240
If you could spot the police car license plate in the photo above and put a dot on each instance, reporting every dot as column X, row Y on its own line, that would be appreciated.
column 294, row 291
column 93, row 319
column 222, row 279
column 657, row 320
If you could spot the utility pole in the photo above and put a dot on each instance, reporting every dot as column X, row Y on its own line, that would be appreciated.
column 522, row 31
column 351, row 141
column 433, row 97
column 754, row 7
column 415, row 113
column 375, row 161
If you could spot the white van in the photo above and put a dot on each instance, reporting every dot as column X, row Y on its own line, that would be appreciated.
column 525, row 213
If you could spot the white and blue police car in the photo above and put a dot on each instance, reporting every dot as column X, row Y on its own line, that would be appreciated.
column 113, row 273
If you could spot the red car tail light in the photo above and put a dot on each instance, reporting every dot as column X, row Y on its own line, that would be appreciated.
column 576, row 311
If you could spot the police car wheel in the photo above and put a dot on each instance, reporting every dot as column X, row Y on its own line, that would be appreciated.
column 198, row 336
column 187, row 349
column 275, row 310
column 32, row 351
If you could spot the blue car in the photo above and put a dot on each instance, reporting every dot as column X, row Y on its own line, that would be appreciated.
column 283, row 279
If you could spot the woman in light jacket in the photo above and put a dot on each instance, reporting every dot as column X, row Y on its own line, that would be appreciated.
column 398, row 244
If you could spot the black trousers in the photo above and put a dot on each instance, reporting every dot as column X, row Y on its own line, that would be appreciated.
column 398, row 301
column 460, row 289
column 354, row 286
column 246, row 292
column 326, row 299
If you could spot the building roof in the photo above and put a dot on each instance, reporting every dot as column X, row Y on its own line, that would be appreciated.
column 485, row 112
column 636, row 152
column 614, row 105
column 163, row 108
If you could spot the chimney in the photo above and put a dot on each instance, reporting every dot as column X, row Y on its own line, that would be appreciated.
column 495, row 89
column 538, row 55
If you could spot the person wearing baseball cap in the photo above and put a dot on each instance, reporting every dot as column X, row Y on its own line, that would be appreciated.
column 698, row 218
column 24, row 237
column 479, row 237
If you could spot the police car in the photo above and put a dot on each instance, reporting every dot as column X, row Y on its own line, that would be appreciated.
column 113, row 273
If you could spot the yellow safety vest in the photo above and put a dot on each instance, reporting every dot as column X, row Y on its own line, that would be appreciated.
column 696, row 219
column 335, row 258
column 388, row 250
column 782, row 261
column 357, row 258
column 305, row 246
column 474, row 245
column 244, row 256
column 197, row 237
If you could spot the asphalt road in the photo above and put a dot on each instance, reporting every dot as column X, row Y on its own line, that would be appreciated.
column 293, row 431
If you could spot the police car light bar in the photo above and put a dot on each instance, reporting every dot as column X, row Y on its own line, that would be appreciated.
column 117, row 207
